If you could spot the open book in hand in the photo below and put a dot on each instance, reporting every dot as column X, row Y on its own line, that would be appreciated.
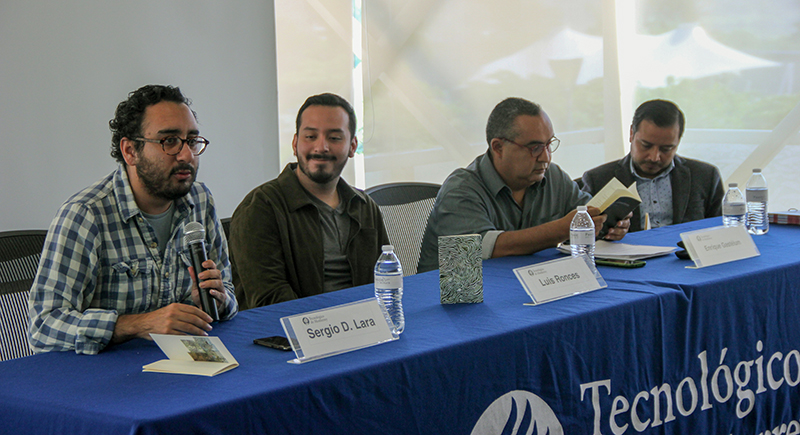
column 616, row 201
column 191, row 355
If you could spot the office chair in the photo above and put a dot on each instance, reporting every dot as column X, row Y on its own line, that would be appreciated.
column 405, row 208
column 19, row 257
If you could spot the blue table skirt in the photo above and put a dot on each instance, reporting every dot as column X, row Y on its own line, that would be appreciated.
column 659, row 327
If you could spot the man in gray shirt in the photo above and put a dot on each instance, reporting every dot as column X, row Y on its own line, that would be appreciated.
column 513, row 196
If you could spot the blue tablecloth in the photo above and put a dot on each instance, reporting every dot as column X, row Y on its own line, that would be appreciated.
column 663, row 349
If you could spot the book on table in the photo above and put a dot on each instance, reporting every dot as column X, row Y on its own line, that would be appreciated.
column 616, row 201
column 190, row 355
column 623, row 251
column 788, row 217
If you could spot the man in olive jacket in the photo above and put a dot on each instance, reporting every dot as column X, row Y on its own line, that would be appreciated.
column 307, row 231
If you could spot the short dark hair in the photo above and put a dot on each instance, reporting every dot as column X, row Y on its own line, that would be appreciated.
column 662, row 113
column 501, row 120
column 330, row 100
column 128, row 118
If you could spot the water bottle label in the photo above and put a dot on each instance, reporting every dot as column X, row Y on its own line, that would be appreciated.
column 734, row 209
column 759, row 195
column 581, row 237
column 388, row 281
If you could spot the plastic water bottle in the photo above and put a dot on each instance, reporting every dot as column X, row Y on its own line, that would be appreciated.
column 733, row 207
column 389, row 286
column 757, row 196
column 581, row 234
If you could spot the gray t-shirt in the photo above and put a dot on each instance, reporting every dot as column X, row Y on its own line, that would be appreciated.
column 161, row 224
column 335, row 226
column 475, row 200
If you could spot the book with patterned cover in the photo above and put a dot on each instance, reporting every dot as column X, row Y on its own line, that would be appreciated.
column 790, row 217
column 460, row 269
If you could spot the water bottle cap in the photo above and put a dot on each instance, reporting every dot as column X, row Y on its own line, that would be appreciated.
column 733, row 185
column 581, row 208
column 756, row 170
column 387, row 248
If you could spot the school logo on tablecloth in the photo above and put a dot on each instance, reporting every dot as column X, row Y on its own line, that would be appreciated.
column 518, row 412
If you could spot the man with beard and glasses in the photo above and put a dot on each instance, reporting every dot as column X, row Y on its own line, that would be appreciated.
column 307, row 231
column 513, row 195
column 114, row 265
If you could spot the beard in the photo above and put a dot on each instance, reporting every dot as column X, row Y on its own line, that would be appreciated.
column 321, row 176
column 160, row 184
column 650, row 169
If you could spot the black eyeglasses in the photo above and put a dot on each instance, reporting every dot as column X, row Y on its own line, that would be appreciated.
column 536, row 148
column 173, row 145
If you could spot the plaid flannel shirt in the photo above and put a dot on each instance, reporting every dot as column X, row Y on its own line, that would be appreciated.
column 101, row 260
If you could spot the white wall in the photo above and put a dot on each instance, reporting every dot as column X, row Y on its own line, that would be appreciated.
column 64, row 67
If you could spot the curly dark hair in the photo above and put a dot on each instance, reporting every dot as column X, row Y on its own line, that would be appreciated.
column 128, row 118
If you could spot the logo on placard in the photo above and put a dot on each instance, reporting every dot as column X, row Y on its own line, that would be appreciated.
column 314, row 319
column 518, row 412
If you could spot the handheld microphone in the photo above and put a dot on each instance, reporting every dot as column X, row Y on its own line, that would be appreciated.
column 194, row 236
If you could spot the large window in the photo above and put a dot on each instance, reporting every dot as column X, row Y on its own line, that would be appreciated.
column 432, row 71
column 734, row 72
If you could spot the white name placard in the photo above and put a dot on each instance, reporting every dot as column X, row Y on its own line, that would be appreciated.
column 558, row 279
column 719, row 245
column 343, row 328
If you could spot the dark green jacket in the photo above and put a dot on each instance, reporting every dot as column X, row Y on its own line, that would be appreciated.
column 276, row 242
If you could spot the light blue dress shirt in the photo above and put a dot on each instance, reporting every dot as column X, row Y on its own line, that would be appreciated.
column 656, row 194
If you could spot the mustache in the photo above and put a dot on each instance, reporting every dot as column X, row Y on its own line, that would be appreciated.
column 321, row 157
column 182, row 167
